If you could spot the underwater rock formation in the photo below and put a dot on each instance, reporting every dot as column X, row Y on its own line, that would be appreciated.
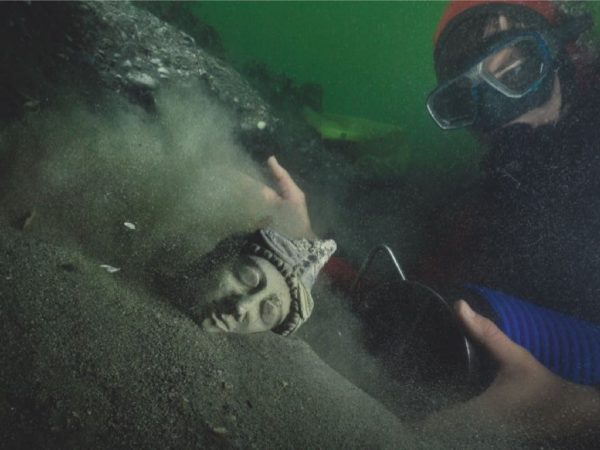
column 124, row 48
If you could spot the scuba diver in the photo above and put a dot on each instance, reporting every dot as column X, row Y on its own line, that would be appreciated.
column 512, row 72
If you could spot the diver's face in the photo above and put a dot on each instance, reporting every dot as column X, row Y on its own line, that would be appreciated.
column 508, row 60
column 246, row 296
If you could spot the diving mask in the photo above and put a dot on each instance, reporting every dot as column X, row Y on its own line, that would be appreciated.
column 511, row 78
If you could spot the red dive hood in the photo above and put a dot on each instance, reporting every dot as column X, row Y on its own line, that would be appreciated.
column 547, row 9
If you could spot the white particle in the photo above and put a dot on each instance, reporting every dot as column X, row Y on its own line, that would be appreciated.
column 109, row 269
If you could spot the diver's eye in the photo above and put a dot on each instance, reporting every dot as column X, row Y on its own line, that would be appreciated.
column 270, row 310
column 248, row 275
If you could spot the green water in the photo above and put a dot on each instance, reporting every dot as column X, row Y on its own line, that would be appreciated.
column 372, row 59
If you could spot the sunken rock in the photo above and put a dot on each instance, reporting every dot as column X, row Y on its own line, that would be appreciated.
column 108, row 40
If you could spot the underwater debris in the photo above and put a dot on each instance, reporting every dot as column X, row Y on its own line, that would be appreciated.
column 261, row 125
column 109, row 269
column 219, row 431
column 163, row 72
column 32, row 105
column 338, row 127
column 191, row 26
column 141, row 79
column 129, row 225
column 25, row 221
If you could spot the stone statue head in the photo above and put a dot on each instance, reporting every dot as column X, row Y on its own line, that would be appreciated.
column 252, row 283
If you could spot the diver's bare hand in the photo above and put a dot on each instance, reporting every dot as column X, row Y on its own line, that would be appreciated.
column 290, row 202
column 525, row 402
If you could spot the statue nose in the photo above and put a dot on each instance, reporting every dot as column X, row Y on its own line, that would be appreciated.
column 241, row 307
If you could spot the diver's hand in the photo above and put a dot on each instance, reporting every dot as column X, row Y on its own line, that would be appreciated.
column 526, row 401
column 290, row 202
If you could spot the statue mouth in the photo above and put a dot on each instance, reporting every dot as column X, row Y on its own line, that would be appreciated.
column 220, row 323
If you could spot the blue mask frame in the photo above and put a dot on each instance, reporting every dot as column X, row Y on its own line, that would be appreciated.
column 484, row 101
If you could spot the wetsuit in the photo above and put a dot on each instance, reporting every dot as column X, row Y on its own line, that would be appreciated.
column 530, row 226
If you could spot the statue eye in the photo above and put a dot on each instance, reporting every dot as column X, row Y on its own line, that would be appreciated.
column 248, row 275
column 270, row 310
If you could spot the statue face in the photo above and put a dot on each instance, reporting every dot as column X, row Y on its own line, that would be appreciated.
column 248, row 295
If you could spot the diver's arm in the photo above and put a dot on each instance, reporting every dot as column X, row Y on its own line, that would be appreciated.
column 525, row 401
column 290, row 199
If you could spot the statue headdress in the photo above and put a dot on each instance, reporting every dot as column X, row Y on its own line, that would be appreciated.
column 299, row 261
